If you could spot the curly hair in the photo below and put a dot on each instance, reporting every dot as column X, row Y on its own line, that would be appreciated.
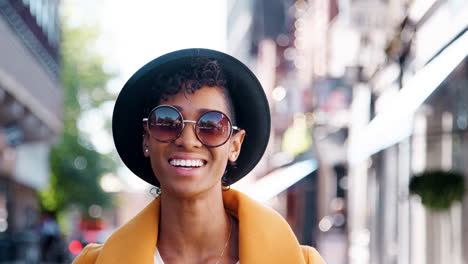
column 201, row 72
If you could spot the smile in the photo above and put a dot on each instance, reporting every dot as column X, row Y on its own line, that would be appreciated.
column 186, row 163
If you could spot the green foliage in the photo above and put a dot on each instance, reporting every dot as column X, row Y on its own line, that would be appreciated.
column 75, row 166
column 438, row 189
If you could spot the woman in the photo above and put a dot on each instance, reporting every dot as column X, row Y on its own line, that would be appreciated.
column 192, row 122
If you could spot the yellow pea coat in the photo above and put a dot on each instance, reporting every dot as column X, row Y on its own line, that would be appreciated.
column 264, row 237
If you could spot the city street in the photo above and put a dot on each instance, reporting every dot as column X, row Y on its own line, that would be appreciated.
column 365, row 157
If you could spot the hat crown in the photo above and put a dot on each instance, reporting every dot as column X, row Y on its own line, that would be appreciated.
column 249, row 102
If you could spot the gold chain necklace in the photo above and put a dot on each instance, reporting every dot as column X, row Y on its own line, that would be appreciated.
column 227, row 241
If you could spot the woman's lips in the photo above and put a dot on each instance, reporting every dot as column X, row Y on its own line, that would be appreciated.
column 189, row 171
column 187, row 163
column 186, row 167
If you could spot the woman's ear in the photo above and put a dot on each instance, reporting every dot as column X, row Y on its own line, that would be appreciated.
column 145, row 143
column 236, row 144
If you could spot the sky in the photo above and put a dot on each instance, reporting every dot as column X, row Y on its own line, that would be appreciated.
column 132, row 33
column 135, row 32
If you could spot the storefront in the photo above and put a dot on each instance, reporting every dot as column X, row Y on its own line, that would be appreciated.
column 420, row 124
column 30, row 119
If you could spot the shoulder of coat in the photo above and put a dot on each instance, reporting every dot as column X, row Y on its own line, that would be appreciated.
column 89, row 254
column 311, row 255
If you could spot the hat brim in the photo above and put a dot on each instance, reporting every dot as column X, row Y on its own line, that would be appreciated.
column 250, row 104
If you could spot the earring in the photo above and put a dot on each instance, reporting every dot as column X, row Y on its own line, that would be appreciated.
column 146, row 150
column 156, row 191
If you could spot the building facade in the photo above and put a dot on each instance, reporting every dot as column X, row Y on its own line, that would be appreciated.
column 30, row 117
column 408, row 117
column 278, row 41
column 384, row 86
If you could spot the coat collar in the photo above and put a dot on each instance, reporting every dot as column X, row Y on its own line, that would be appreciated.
column 264, row 236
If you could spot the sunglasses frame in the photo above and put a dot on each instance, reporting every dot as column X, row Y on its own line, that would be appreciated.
column 233, row 129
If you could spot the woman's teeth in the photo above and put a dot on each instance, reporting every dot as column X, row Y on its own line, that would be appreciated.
column 186, row 163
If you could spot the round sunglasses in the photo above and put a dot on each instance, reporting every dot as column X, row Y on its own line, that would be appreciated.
column 165, row 123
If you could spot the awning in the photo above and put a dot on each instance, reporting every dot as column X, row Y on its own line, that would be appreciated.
column 277, row 181
column 395, row 122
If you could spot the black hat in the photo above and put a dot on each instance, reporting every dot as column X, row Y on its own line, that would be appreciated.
column 250, row 106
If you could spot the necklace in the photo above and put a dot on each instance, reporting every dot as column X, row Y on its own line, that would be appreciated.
column 227, row 241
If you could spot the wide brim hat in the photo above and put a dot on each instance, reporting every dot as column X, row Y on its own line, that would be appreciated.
column 250, row 106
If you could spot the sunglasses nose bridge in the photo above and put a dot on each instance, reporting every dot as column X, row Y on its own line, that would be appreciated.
column 184, row 139
column 190, row 121
column 194, row 125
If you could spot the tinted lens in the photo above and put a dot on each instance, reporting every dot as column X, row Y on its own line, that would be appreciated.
column 213, row 128
column 165, row 123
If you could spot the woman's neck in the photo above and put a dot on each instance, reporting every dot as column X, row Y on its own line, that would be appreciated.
column 195, row 228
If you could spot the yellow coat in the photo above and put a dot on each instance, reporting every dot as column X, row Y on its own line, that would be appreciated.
column 264, row 237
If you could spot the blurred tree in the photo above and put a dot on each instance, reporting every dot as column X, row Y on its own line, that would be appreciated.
column 76, row 167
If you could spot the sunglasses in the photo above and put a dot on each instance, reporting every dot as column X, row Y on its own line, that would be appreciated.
column 165, row 124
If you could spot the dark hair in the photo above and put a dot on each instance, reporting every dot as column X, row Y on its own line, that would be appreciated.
column 201, row 72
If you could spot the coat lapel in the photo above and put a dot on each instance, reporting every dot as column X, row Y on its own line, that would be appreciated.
column 264, row 236
column 134, row 242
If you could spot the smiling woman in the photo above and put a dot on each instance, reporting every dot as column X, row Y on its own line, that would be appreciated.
column 173, row 147
column 192, row 122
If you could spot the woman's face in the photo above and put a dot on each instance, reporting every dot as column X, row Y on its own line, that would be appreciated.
column 190, row 181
